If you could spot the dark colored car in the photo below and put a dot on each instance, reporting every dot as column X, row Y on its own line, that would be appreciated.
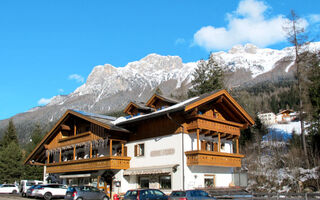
column 85, row 193
column 190, row 195
column 145, row 194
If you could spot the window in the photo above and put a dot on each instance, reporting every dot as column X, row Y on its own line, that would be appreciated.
column 165, row 182
column 139, row 150
column 209, row 181
column 144, row 182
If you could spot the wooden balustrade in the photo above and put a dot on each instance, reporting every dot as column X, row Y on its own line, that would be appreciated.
column 212, row 124
column 210, row 158
column 106, row 162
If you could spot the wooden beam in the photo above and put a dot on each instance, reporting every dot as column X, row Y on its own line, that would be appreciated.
column 219, row 142
column 198, row 139
column 60, row 155
column 122, row 149
column 90, row 153
column 74, row 152
column 48, row 157
column 110, row 153
column 237, row 143
column 223, row 135
column 207, row 132
column 74, row 129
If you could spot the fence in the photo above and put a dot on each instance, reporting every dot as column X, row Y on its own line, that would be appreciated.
column 242, row 194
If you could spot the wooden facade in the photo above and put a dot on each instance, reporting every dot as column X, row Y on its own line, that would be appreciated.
column 71, row 145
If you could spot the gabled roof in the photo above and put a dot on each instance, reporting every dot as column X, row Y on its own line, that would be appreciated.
column 227, row 99
column 162, row 98
column 101, row 120
column 137, row 105
column 194, row 102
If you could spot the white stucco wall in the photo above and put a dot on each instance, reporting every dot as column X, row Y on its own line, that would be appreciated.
column 194, row 175
column 157, row 145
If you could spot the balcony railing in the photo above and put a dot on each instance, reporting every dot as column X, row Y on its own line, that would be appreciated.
column 213, row 124
column 211, row 158
column 106, row 162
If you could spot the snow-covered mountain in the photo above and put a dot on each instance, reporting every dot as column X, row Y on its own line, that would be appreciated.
column 110, row 88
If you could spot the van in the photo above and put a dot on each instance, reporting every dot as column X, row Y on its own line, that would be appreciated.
column 26, row 184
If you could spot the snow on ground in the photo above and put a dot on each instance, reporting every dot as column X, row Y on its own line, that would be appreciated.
column 288, row 128
column 282, row 132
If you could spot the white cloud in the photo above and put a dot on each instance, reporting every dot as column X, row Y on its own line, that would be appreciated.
column 314, row 18
column 44, row 101
column 76, row 77
column 180, row 41
column 61, row 90
column 247, row 24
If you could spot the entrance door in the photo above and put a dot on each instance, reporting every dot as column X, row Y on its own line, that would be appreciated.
column 105, row 183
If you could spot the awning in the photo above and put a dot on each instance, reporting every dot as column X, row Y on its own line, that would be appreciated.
column 75, row 176
column 161, row 169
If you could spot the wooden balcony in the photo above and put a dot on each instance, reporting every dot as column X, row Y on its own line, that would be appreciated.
column 106, row 162
column 210, row 158
column 213, row 124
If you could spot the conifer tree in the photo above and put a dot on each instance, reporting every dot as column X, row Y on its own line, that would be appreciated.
column 10, row 135
column 208, row 76
column 33, row 171
column 10, row 163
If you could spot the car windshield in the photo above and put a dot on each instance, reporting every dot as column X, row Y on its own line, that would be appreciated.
column 199, row 193
column 158, row 193
column 178, row 194
column 131, row 193
column 30, row 183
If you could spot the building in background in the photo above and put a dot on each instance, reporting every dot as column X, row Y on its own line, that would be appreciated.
column 268, row 118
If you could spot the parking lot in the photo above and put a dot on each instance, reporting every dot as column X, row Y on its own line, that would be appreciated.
column 13, row 196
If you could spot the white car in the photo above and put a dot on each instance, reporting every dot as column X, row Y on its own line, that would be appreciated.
column 26, row 184
column 49, row 191
column 9, row 188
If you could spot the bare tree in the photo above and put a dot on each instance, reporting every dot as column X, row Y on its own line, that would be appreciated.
column 297, row 36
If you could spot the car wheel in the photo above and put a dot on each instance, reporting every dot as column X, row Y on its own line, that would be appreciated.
column 14, row 192
column 47, row 196
column 105, row 198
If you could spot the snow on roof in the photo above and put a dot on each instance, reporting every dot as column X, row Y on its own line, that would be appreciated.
column 121, row 120
column 95, row 115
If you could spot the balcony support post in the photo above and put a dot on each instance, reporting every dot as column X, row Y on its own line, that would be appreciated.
column 48, row 157
column 237, row 144
column 122, row 149
column 74, row 152
column 110, row 148
column 60, row 155
column 74, row 129
column 90, row 153
column 198, row 133
column 219, row 143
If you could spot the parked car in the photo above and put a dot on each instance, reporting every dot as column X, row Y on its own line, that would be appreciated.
column 190, row 195
column 26, row 184
column 49, row 191
column 85, row 193
column 9, row 188
column 30, row 192
column 144, row 194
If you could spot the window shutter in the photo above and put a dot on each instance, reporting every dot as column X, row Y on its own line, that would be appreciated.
column 125, row 151
column 203, row 145
column 215, row 147
column 135, row 150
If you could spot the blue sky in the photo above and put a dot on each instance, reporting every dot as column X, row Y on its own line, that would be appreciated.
column 50, row 47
